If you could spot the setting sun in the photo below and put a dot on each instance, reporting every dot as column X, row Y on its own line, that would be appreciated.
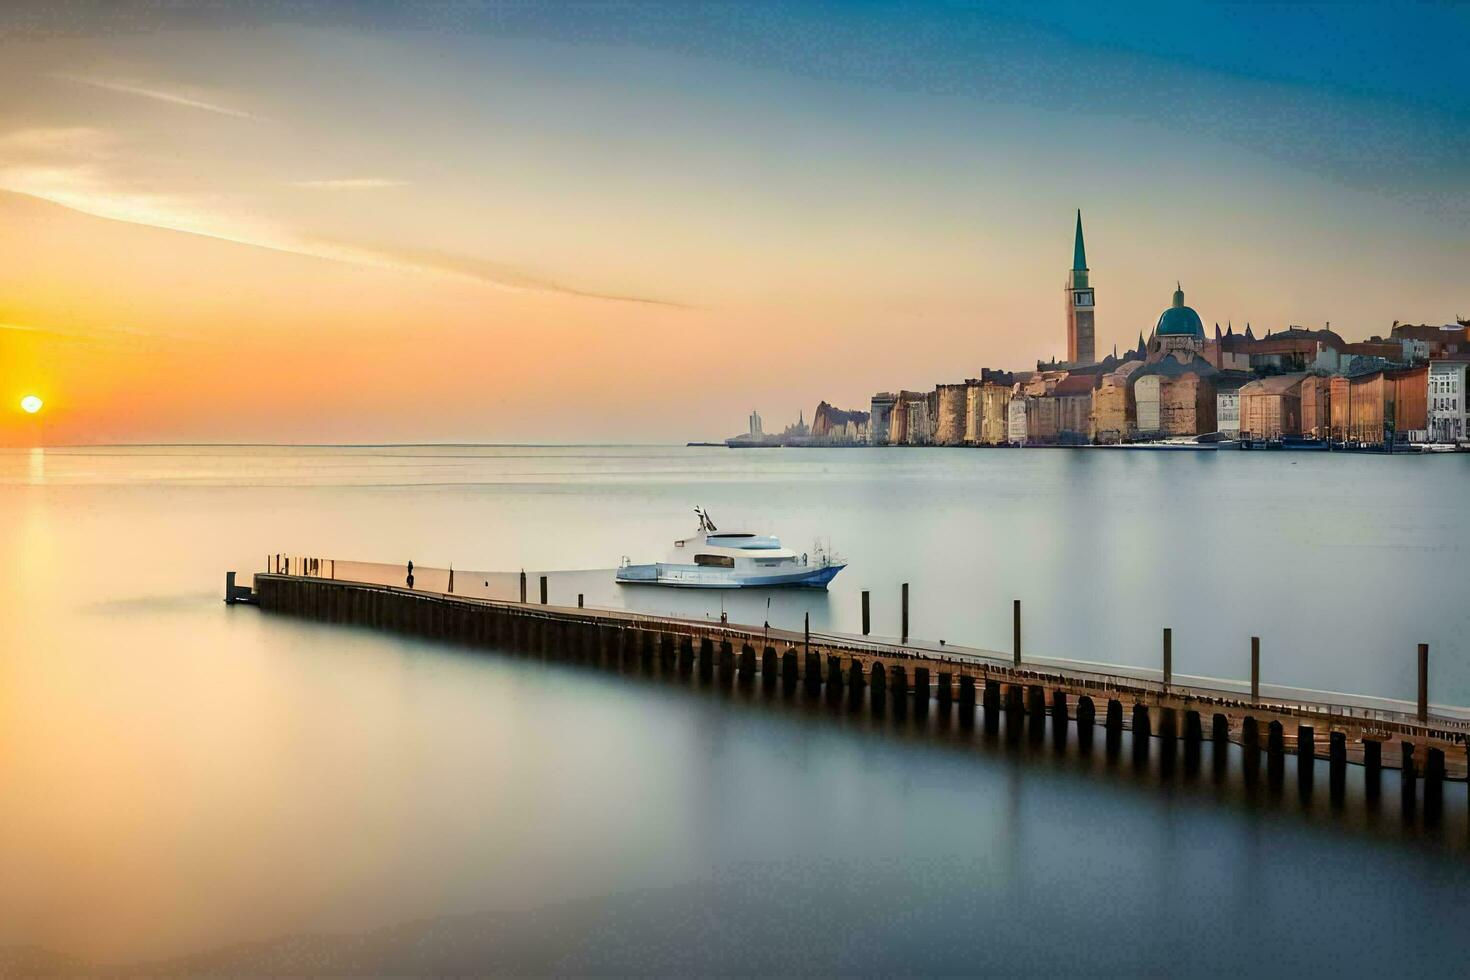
column 30, row 404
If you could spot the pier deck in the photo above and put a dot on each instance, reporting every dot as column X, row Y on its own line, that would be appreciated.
column 912, row 675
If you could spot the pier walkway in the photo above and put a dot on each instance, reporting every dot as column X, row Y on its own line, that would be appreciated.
column 902, row 675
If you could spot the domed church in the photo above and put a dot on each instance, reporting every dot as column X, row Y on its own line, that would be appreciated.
column 1179, row 329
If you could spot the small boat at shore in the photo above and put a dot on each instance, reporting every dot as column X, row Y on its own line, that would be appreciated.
column 715, row 559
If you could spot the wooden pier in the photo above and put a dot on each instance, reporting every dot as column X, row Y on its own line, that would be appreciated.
column 903, row 678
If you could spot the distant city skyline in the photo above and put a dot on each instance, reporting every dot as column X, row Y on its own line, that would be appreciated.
column 520, row 224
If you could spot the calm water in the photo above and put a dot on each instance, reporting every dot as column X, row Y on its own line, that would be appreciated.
column 188, row 787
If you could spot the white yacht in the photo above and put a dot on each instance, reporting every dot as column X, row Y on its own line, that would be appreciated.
column 715, row 559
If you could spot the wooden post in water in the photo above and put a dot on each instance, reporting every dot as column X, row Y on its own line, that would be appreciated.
column 1424, row 682
column 523, row 585
column 1255, row 669
column 866, row 621
column 1168, row 656
column 543, row 590
column 1306, row 755
column 1016, row 630
column 580, row 603
column 1336, row 766
column 1372, row 767
column 905, row 613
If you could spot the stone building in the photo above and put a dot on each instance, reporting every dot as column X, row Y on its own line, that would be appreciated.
column 949, row 421
column 1227, row 402
column 995, row 401
column 1073, row 395
column 1271, row 408
column 1113, row 410
column 1016, row 417
column 880, row 416
column 912, row 420
column 1449, row 398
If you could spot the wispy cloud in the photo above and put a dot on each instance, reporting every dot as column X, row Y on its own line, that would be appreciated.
column 468, row 267
column 158, row 95
column 350, row 183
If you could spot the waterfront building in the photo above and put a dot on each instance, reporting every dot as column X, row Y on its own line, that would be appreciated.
column 1016, row 417
column 1227, row 402
column 1080, row 305
column 995, row 400
column 1449, row 398
column 950, row 416
column 755, row 426
column 1389, row 405
column 1113, row 409
column 1174, row 398
column 1338, row 403
column 1316, row 406
column 1271, row 408
column 1073, row 395
column 910, row 423
column 880, row 418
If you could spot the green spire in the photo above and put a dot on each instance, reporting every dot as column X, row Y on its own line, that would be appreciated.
column 1079, row 253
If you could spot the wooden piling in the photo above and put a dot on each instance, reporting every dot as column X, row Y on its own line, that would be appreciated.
column 1086, row 719
column 1059, row 717
column 1113, row 726
column 543, row 590
column 1141, row 733
column 1016, row 631
column 788, row 669
column 1306, row 755
column 1255, row 670
column 747, row 662
column 1408, row 777
column 967, row 698
column 905, row 613
column 1372, row 768
column 1434, row 786
column 921, row 689
column 1337, row 766
column 866, row 622
column 1036, row 709
column 812, row 674
column 1168, row 657
column 855, row 683
column 1168, row 738
column 834, row 676
column 946, row 690
column 1424, row 682
column 1275, row 753
column 768, row 667
column 523, row 585
column 878, row 681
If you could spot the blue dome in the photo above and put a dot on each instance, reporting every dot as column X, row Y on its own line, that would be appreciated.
column 1179, row 320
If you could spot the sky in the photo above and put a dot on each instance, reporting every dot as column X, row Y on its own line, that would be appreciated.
column 636, row 222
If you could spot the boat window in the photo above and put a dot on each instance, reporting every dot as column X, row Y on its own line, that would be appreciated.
column 716, row 561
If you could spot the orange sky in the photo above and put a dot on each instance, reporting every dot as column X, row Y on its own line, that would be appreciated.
column 287, row 232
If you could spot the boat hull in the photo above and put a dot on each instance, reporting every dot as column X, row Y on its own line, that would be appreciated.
column 700, row 577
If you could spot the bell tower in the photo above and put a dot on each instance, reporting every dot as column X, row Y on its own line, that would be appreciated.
column 1080, row 340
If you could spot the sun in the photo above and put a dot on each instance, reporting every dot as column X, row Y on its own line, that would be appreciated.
column 30, row 404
